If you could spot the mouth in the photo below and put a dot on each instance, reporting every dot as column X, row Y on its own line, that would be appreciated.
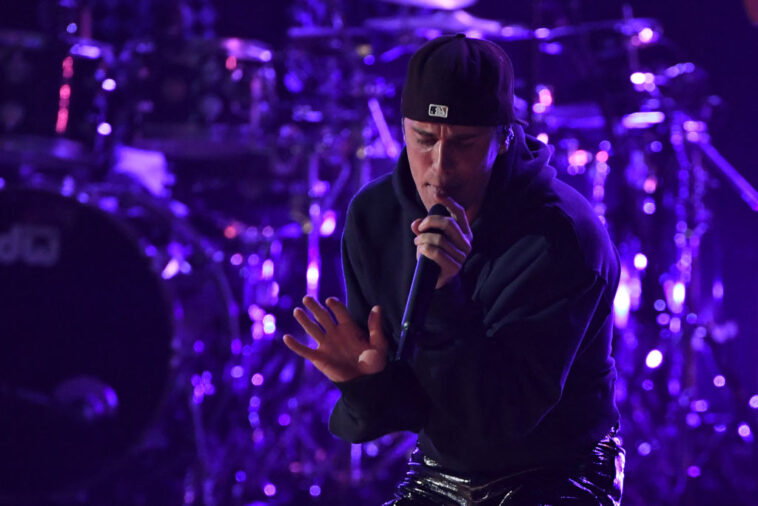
column 439, row 191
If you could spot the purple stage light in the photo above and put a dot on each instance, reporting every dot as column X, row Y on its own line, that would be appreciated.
column 622, row 303
column 646, row 35
column 643, row 119
column 269, row 324
column 257, row 330
column 88, row 51
column 269, row 489
column 284, row 419
column 675, row 325
column 257, row 379
column 312, row 276
column 579, row 158
column 644, row 448
column 551, row 48
column 371, row 449
column 693, row 471
column 693, row 420
column 171, row 269
column 286, row 376
column 104, row 129
column 267, row 269
column 315, row 491
column 545, row 96
column 256, row 312
column 258, row 435
column 718, row 289
column 719, row 381
column 744, row 431
column 328, row 223
column 237, row 371
column 198, row 346
column 108, row 84
column 753, row 402
column 109, row 204
column 675, row 387
column 654, row 359
column 640, row 262
column 678, row 293
column 650, row 185
column 700, row 405
column 648, row 206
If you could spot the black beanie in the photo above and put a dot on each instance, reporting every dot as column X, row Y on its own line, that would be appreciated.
column 459, row 80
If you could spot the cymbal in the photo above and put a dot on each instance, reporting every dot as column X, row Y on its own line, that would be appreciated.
column 249, row 50
column 462, row 21
column 445, row 21
column 448, row 5
column 308, row 33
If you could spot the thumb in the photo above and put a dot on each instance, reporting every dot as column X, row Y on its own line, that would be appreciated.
column 375, row 333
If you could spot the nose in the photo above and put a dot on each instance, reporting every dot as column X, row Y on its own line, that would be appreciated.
column 442, row 157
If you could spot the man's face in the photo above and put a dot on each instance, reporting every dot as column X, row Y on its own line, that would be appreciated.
column 451, row 160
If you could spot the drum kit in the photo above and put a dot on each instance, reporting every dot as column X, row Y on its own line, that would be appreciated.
column 165, row 202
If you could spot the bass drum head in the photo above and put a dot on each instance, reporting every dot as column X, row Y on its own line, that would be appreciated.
column 85, row 342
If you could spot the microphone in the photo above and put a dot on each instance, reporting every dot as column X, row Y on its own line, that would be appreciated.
column 420, row 295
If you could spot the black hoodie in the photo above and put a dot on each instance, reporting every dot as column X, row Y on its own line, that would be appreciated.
column 514, row 368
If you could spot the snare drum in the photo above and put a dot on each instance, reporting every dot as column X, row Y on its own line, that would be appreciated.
column 113, row 320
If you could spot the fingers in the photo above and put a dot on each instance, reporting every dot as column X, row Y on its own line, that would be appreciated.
column 449, row 228
column 435, row 241
column 319, row 312
column 341, row 314
column 375, row 333
column 458, row 213
column 299, row 348
column 448, row 265
column 309, row 326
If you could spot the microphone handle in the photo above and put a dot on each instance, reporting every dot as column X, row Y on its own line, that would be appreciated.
column 420, row 294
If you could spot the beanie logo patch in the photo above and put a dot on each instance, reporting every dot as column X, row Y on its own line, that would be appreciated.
column 438, row 111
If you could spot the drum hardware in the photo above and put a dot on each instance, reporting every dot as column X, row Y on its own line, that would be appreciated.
column 55, row 99
column 439, row 21
column 198, row 97
column 450, row 5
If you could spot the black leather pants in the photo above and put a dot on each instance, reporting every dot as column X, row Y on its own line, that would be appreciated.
column 596, row 480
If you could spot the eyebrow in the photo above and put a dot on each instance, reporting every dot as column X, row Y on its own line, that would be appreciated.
column 459, row 137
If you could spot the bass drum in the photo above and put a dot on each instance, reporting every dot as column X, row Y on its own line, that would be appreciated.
column 115, row 331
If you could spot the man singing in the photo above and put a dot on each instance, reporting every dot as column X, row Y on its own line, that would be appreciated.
column 510, row 385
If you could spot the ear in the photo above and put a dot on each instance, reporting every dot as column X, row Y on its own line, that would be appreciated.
column 507, row 140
